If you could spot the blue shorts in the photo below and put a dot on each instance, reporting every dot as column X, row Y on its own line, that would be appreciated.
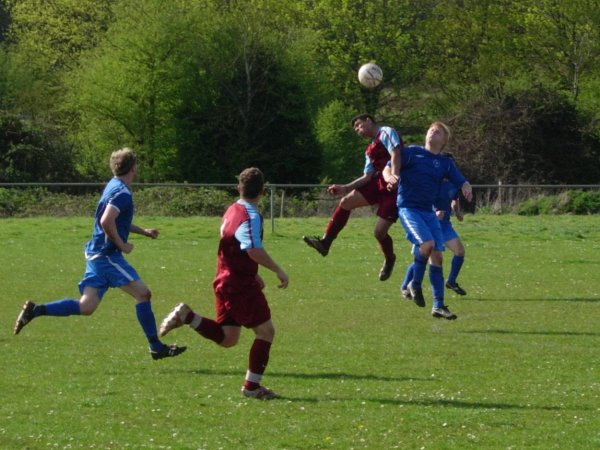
column 448, row 231
column 106, row 272
column 422, row 226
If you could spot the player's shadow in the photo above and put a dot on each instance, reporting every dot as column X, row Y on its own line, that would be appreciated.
column 542, row 299
column 539, row 333
column 430, row 403
column 316, row 375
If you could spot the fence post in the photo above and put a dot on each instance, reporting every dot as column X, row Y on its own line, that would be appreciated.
column 500, row 196
column 272, row 189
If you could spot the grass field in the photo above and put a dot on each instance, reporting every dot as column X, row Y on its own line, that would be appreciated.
column 357, row 366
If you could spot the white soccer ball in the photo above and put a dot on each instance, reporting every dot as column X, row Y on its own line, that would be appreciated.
column 370, row 75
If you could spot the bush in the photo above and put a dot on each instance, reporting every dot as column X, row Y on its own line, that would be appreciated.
column 568, row 202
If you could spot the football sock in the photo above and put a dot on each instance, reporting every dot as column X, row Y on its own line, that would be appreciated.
column 146, row 319
column 208, row 328
column 408, row 277
column 258, row 360
column 456, row 265
column 419, row 271
column 436, row 278
column 62, row 308
column 338, row 221
column 387, row 246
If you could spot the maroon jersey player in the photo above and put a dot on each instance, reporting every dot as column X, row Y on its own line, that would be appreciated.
column 238, row 288
column 369, row 189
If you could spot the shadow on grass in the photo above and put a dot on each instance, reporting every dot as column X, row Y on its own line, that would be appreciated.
column 513, row 299
column 540, row 333
column 318, row 375
column 429, row 403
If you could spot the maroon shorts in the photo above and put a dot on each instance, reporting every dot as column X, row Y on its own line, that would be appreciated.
column 248, row 308
column 376, row 193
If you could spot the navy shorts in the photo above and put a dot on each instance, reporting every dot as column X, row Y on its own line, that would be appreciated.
column 422, row 226
column 107, row 272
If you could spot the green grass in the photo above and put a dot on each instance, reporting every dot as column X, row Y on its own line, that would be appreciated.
column 358, row 367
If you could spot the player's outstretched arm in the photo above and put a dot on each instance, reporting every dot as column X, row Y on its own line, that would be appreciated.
column 148, row 232
column 260, row 256
column 343, row 189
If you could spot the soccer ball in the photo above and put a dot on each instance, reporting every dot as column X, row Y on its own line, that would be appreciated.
column 370, row 75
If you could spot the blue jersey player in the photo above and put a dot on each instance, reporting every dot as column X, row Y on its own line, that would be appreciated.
column 105, row 265
column 422, row 170
column 445, row 205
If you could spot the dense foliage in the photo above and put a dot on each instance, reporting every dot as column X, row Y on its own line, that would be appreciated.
column 204, row 88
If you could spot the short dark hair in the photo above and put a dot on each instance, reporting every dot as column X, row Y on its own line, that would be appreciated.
column 362, row 117
column 122, row 161
column 251, row 183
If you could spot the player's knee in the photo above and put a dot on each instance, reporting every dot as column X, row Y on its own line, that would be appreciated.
column 266, row 334
column 229, row 341
column 346, row 203
column 86, row 309
column 144, row 296
column 426, row 248
column 380, row 234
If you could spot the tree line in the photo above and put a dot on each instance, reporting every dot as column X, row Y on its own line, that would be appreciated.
column 203, row 88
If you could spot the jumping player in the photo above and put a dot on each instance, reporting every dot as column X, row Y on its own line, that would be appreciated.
column 369, row 189
column 238, row 288
column 422, row 170
column 446, row 205
column 105, row 265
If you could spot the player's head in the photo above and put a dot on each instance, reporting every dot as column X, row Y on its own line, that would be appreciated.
column 251, row 183
column 437, row 136
column 364, row 125
column 122, row 161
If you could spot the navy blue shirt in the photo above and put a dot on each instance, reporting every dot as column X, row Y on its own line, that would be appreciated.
column 421, row 175
column 443, row 201
column 116, row 195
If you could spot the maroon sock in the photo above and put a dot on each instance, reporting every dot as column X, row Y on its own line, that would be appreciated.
column 338, row 221
column 210, row 330
column 258, row 360
column 387, row 246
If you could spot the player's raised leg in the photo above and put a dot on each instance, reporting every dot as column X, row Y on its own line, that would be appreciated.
column 457, row 248
column 336, row 224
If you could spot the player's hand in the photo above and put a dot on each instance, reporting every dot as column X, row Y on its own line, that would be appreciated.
column 151, row 232
column 392, row 185
column 127, row 248
column 459, row 215
column 283, row 279
column 440, row 214
column 336, row 189
column 467, row 191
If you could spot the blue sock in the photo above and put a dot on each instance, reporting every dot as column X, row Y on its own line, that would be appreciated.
column 436, row 278
column 146, row 319
column 408, row 277
column 457, row 262
column 62, row 308
column 419, row 271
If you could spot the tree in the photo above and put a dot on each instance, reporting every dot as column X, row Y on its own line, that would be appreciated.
column 46, row 38
column 263, row 99
column 32, row 153
column 342, row 157
column 128, row 88
column 524, row 136
column 562, row 40
column 353, row 33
